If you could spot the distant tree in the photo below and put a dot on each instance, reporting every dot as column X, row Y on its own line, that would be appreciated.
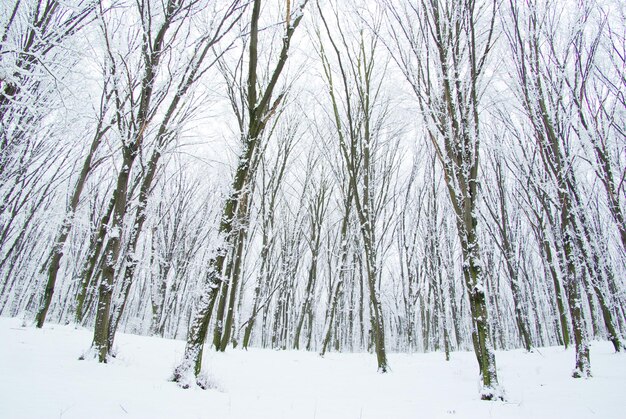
column 317, row 209
column 369, row 153
column 503, row 227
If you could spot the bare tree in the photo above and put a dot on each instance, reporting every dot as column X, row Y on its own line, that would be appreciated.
column 600, row 103
column 261, row 105
column 506, row 229
column 36, row 55
column 269, row 185
column 317, row 209
column 545, row 68
column 442, row 48
column 176, row 113
column 138, row 96
column 104, row 124
column 368, row 151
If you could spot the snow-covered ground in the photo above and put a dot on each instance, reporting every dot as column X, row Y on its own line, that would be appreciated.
column 41, row 377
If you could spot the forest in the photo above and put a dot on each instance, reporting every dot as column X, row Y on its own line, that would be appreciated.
column 382, row 176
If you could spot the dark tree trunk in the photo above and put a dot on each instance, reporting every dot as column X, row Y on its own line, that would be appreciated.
column 57, row 248
column 260, row 109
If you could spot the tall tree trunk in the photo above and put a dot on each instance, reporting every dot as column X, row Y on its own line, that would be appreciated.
column 474, row 283
column 111, row 255
column 582, row 365
column 560, row 300
column 131, row 246
column 260, row 109
column 64, row 231
column 262, row 277
column 96, row 243
column 234, row 286
column 305, row 311
column 317, row 210
column 230, row 313
column 330, row 317
column 340, row 272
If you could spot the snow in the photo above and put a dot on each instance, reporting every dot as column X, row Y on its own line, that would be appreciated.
column 43, row 378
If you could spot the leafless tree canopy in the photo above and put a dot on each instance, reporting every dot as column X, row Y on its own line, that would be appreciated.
column 319, row 175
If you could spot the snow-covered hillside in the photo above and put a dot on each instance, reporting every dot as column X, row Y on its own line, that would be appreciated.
column 41, row 377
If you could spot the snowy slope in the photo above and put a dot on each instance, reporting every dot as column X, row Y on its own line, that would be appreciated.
column 41, row 377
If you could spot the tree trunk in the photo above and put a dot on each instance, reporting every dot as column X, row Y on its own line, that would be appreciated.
column 260, row 109
column 95, row 248
column 472, row 272
column 111, row 255
column 235, row 277
column 57, row 248
column 330, row 318
column 305, row 311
